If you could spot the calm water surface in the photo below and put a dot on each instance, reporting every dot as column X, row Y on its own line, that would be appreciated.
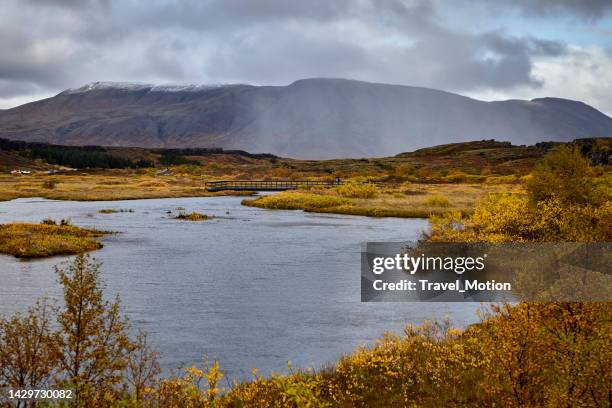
column 251, row 287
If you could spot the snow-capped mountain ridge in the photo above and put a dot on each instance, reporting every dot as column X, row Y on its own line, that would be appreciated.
column 138, row 86
column 311, row 118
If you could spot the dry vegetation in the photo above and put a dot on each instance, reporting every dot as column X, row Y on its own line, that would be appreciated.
column 567, row 199
column 193, row 216
column 484, row 162
column 404, row 200
column 104, row 186
column 48, row 239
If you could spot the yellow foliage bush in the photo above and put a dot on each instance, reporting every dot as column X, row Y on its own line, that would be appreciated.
column 437, row 201
column 565, row 175
column 358, row 191
column 565, row 202
column 196, row 388
column 510, row 218
column 538, row 354
column 403, row 170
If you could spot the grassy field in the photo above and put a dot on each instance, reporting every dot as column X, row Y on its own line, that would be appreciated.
column 422, row 183
column 405, row 200
column 43, row 240
column 104, row 186
column 487, row 163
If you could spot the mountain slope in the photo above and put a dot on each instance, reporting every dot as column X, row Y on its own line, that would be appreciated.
column 312, row 118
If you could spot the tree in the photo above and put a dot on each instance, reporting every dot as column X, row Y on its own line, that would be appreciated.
column 93, row 338
column 142, row 368
column 564, row 174
column 29, row 355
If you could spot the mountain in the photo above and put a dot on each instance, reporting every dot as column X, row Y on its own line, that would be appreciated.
column 311, row 118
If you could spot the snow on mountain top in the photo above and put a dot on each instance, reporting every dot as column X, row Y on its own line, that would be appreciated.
column 110, row 85
column 134, row 86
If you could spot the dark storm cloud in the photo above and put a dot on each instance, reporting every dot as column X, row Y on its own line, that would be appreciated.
column 54, row 44
column 22, row 63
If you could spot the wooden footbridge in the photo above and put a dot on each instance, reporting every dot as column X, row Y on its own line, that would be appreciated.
column 266, row 185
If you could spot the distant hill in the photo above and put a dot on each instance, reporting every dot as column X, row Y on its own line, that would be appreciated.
column 311, row 118
column 13, row 161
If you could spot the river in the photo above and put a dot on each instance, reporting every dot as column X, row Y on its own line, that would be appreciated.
column 250, row 287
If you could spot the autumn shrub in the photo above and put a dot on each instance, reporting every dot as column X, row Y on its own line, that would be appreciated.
column 547, row 353
column 455, row 177
column 196, row 387
column 533, row 354
column 358, row 191
column 403, row 170
column 437, row 201
column 193, row 216
column 564, row 202
column 565, row 175
column 424, row 172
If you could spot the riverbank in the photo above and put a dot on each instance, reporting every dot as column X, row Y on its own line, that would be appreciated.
column 404, row 200
column 105, row 186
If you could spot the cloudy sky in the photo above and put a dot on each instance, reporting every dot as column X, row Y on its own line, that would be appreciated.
column 488, row 50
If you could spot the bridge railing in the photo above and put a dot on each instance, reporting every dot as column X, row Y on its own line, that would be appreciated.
column 270, row 185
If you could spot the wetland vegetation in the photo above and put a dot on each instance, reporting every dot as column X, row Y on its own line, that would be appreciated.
column 407, row 200
column 115, row 210
column 485, row 162
column 192, row 216
column 47, row 239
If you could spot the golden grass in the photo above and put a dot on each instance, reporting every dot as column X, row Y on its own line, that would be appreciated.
column 405, row 201
column 437, row 201
column 194, row 216
column 358, row 191
column 297, row 200
column 487, row 163
column 42, row 240
column 105, row 186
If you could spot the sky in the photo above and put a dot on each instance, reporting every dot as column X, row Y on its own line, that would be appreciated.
column 491, row 50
